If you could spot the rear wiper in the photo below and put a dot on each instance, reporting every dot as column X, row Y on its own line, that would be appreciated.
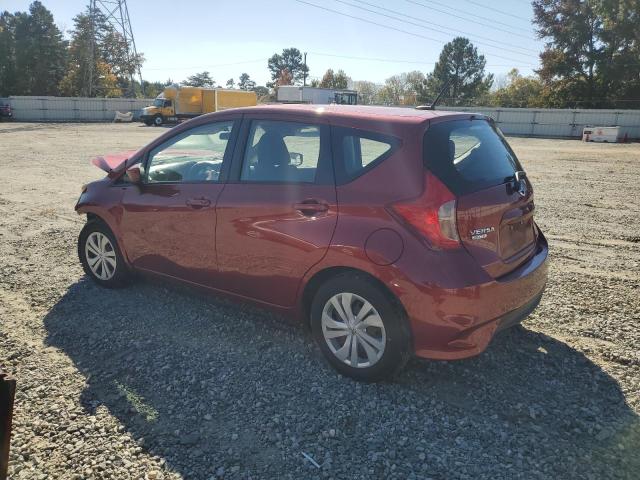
column 517, row 177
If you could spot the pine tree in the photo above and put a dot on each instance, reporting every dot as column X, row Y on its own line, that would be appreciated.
column 461, row 68
column 7, row 54
column 32, row 52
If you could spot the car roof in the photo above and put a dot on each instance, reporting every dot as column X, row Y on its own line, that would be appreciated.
column 388, row 114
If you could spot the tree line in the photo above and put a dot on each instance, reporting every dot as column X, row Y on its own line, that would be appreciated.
column 591, row 59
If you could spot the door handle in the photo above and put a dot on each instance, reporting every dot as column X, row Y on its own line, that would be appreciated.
column 311, row 206
column 198, row 202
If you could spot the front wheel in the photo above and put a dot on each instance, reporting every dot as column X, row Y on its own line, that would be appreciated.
column 100, row 256
column 158, row 120
column 359, row 329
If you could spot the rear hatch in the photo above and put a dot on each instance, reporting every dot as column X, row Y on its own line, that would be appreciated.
column 494, row 199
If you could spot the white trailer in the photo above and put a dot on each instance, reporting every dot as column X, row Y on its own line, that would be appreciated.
column 601, row 134
column 319, row 96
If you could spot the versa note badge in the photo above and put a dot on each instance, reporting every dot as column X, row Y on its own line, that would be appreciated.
column 480, row 233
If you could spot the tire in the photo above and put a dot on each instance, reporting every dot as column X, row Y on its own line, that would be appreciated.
column 158, row 120
column 110, row 271
column 375, row 360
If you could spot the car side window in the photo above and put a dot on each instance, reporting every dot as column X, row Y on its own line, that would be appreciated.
column 192, row 156
column 359, row 150
column 280, row 151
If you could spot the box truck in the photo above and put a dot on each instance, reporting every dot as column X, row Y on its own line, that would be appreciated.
column 178, row 103
column 321, row 96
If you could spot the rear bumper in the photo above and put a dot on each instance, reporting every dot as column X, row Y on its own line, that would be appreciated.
column 460, row 322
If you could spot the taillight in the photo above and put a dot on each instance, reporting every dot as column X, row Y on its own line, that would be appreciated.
column 432, row 214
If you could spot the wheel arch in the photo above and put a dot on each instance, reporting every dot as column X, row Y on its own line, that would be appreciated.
column 95, row 216
column 320, row 277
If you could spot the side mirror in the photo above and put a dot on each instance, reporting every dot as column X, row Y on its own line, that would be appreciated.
column 224, row 135
column 134, row 175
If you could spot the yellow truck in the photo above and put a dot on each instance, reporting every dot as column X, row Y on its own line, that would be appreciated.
column 178, row 103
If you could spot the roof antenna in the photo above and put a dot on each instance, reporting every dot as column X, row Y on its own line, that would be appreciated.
column 433, row 104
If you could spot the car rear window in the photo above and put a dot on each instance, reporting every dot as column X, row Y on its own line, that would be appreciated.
column 358, row 150
column 468, row 155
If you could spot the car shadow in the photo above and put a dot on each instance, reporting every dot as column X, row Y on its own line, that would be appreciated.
column 207, row 384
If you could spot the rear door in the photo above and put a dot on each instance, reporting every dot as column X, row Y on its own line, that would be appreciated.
column 277, row 213
column 494, row 202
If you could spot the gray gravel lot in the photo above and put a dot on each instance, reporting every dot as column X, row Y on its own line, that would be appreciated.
column 157, row 381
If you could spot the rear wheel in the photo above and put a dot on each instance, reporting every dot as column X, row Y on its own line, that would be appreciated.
column 100, row 256
column 361, row 332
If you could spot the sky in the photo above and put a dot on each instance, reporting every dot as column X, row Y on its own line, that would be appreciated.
column 228, row 38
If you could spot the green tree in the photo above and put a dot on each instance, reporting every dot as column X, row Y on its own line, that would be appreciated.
column 113, row 51
column 231, row 83
column 7, row 54
column 291, row 61
column 153, row 89
column 461, row 69
column 403, row 89
column 519, row 92
column 88, row 73
column 592, row 51
column 620, row 59
column 202, row 79
column 245, row 82
column 35, row 52
column 571, row 54
column 367, row 91
column 338, row 80
column 327, row 79
column 98, row 63
column 261, row 92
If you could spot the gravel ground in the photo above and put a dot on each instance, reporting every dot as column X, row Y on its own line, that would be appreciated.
column 157, row 381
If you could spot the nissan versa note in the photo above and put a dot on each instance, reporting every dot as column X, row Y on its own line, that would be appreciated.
column 392, row 231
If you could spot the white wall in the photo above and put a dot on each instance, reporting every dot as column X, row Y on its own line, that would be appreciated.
column 548, row 122
column 72, row 109
column 535, row 122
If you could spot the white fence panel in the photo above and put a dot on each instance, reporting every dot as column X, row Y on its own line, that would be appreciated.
column 547, row 122
column 543, row 122
column 70, row 109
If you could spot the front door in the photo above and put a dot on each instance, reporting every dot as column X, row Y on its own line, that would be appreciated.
column 277, row 213
column 169, row 221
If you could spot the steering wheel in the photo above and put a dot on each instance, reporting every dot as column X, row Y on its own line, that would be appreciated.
column 204, row 171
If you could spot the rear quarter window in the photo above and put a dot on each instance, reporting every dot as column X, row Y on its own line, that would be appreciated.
column 357, row 151
column 468, row 155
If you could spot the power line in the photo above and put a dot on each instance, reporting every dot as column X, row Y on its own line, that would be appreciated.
column 416, row 62
column 389, row 27
column 528, row 53
column 349, row 57
column 210, row 66
column 497, row 10
column 474, row 20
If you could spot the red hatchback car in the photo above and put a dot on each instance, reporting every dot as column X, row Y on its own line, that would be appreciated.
column 392, row 231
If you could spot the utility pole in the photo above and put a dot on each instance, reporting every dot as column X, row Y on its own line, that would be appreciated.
column 116, row 13
column 304, row 81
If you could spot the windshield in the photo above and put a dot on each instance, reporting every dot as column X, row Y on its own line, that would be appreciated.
column 158, row 102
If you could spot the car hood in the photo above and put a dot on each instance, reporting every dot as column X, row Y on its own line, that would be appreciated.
column 112, row 161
